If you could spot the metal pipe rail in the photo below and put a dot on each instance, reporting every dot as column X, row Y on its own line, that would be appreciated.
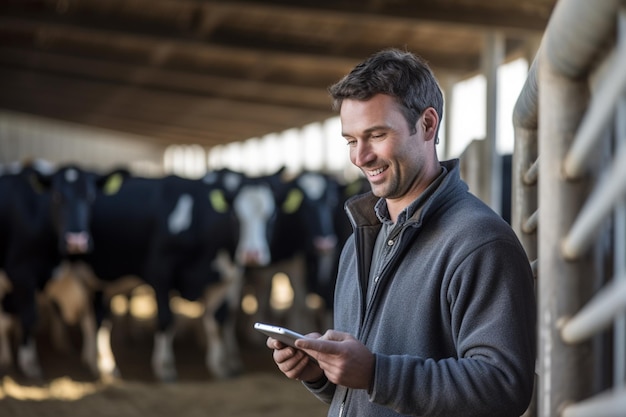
column 525, row 167
column 597, row 209
column 530, row 226
column 598, row 313
column 598, row 116
column 608, row 404
column 530, row 177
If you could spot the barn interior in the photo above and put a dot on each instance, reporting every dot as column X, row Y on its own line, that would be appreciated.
column 110, row 82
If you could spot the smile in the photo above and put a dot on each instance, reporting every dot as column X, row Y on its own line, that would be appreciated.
column 376, row 172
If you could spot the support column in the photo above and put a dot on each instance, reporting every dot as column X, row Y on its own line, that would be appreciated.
column 493, row 56
column 445, row 142
column 564, row 286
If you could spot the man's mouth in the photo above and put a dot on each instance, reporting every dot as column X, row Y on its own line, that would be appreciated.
column 375, row 172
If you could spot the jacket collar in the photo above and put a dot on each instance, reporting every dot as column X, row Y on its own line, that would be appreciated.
column 361, row 208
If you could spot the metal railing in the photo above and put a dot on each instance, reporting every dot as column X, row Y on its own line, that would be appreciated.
column 569, row 207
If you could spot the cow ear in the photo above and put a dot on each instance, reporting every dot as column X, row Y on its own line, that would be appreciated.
column 39, row 182
column 218, row 201
column 293, row 201
column 112, row 184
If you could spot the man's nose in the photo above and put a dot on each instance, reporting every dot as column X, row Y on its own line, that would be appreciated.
column 362, row 154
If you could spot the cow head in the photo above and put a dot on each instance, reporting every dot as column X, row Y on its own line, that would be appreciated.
column 255, row 207
column 306, row 204
column 73, row 191
column 252, row 202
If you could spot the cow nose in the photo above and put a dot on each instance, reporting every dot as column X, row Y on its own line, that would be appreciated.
column 77, row 242
column 325, row 243
column 253, row 258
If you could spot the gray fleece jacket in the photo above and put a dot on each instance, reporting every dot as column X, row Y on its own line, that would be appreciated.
column 452, row 319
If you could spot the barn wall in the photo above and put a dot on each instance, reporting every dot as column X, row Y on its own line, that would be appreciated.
column 25, row 137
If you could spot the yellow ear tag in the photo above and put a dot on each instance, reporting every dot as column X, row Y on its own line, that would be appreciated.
column 35, row 183
column 113, row 184
column 293, row 201
column 218, row 201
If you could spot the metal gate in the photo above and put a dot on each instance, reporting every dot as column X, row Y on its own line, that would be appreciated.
column 569, row 207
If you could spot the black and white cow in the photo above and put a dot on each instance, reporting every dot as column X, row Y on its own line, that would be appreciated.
column 178, row 235
column 43, row 217
column 287, row 226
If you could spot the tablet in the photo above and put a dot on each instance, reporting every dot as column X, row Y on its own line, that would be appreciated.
column 286, row 336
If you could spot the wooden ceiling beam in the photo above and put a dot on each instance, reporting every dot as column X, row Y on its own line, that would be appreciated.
column 88, row 100
column 168, row 80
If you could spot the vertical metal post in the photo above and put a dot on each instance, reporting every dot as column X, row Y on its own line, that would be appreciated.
column 524, row 194
column 619, row 349
column 619, row 330
column 523, row 185
column 445, row 143
column 493, row 57
column 564, row 286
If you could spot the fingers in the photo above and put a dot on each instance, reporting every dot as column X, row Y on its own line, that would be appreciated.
column 295, row 364
column 273, row 343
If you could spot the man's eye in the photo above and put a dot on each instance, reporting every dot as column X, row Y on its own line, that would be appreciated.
column 351, row 142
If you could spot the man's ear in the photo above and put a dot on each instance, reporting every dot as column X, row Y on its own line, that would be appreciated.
column 430, row 123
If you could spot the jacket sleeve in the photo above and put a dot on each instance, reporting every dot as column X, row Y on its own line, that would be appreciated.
column 323, row 389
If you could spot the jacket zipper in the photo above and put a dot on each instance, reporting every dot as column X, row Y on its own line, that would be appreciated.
column 384, row 274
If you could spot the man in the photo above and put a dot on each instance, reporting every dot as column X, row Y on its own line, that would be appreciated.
column 434, row 303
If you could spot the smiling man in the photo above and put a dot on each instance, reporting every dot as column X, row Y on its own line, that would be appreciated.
column 434, row 303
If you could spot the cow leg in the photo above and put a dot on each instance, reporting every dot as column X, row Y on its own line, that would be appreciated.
column 27, row 360
column 215, row 359
column 163, row 360
column 89, row 354
column 5, row 325
column 219, row 359
column 232, row 274
column 107, row 366
column 5, row 346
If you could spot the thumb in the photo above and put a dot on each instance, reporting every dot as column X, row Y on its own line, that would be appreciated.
column 317, row 345
column 336, row 336
column 328, row 343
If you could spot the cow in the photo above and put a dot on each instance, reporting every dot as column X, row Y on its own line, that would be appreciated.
column 287, row 230
column 177, row 235
column 43, row 217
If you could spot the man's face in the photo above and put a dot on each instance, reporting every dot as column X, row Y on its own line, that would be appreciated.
column 381, row 145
